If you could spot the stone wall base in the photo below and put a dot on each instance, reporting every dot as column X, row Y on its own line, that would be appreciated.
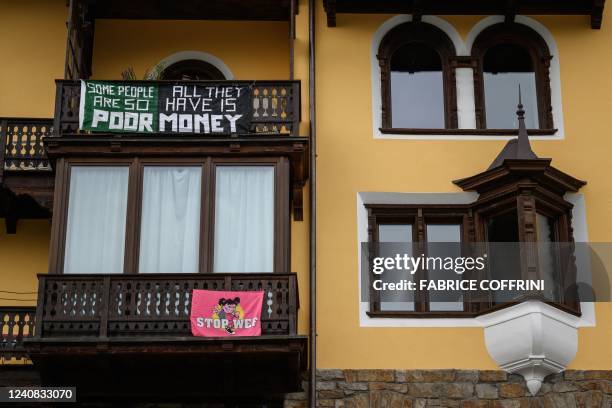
column 455, row 388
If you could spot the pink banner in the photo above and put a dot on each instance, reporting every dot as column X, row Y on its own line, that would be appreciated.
column 221, row 313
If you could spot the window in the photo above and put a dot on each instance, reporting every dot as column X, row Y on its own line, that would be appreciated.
column 501, row 229
column 182, row 216
column 192, row 69
column 418, row 85
column 96, row 219
column 170, row 219
column 434, row 231
column 417, row 94
column 244, row 219
column 509, row 55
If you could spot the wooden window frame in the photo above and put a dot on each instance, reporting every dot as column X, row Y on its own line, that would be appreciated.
column 282, row 222
column 536, row 47
column 419, row 216
column 418, row 33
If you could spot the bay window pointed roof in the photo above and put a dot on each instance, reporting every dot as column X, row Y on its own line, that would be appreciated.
column 519, row 148
column 517, row 162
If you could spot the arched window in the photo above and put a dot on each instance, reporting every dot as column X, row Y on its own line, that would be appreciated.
column 509, row 55
column 192, row 69
column 418, row 84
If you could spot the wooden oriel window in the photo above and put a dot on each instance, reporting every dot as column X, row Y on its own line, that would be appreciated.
column 187, row 215
column 503, row 228
column 418, row 79
column 506, row 56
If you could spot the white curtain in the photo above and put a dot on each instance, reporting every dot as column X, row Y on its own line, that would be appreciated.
column 170, row 221
column 244, row 219
column 95, row 234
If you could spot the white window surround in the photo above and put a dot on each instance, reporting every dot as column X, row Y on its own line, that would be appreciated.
column 153, row 72
column 580, row 235
column 464, row 77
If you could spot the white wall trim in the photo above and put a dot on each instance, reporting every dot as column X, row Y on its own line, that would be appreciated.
column 465, row 85
column 154, row 72
column 580, row 235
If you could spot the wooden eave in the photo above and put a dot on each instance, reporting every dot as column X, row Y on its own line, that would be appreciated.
column 508, row 8
column 538, row 170
column 267, row 10
column 25, row 194
column 295, row 148
column 179, row 368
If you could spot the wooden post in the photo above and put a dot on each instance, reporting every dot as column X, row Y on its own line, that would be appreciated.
column 104, row 307
column 40, row 305
column 292, row 305
column 3, row 145
column 295, row 109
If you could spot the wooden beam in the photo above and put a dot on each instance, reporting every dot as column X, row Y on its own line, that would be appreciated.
column 510, row 11
column 417, row 11
column 593, row 8
column 330, row 8
column 597, row 14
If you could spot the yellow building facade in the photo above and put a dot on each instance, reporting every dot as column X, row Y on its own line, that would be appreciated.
column 529, row 354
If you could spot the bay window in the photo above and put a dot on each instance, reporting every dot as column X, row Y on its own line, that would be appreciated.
column 173, row 216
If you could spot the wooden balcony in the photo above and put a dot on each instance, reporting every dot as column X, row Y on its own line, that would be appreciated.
column 275, row 104
column 16, row 323
column 150, row 305
column 136, row 329
column 26, row 178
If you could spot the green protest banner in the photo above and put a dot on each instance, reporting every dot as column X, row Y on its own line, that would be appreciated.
column 118, row 107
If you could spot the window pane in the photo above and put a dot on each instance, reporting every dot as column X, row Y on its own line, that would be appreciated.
column 504, row 258
column 546, row 253
column 417, row 88
column 442, row 238
column 506, row 66
column 401, row 235
column 95, row 233
column 170, row 222
column 244, row 219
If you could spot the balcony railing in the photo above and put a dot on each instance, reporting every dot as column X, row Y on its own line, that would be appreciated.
column 151, row 305
column 275, row 105
column 21, row 143
column 15, row 324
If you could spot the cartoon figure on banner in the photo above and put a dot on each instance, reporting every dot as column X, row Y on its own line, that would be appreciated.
column 228, row 310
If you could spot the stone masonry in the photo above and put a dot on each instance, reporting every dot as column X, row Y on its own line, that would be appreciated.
column 455, row 388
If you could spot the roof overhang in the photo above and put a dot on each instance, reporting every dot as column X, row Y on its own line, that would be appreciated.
column 269, row 10
column 508, row 8
column 512, row 170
